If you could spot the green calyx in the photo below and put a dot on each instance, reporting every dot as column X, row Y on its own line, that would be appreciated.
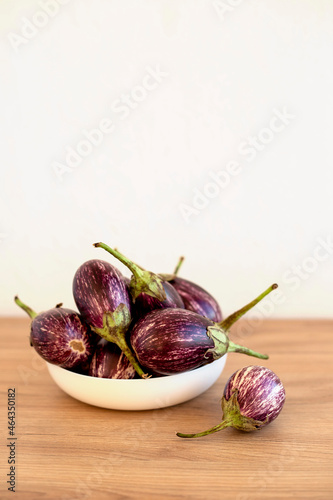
column 219, row 333
column 231, row 412
column 221, row 342
column 115, row 326
column 232, row 417
column 142, row 281
column 149, row 283
column 222, row 345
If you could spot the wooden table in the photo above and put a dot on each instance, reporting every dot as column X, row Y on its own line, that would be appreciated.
column 68, row 450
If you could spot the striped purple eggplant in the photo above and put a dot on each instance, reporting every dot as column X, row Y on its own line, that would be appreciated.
column 253, row 397
column 109, row 362
column 98, row 287
column 168, row 341
column 60, row 336
column 261, row 394
column 195, row 298
column 102, row 297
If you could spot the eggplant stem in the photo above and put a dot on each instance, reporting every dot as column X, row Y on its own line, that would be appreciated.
column 129, row 355
column 178, row 266
column 245, row 350
column 216, row 428
column 142, row 281
column 121, row 343
column 134, row 268
column 30, row 312
column 115, row 326
column 230, row 320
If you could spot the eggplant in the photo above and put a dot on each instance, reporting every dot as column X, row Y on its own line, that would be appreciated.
column 195, row 298
column 83, row 368
column 99, row 287
column 169, row 341
column 60, row 336
column 109, row 361
column 149, row 291
column 253, row 397
column 102, row 298
column 260, row 394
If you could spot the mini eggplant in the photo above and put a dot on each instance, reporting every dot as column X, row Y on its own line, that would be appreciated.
column 149, row 291
column 195, row 298
column 253, row 397
column 60, row 336
column 109, row 361
column 101, row 295
column 99, row 287
column 170, row 341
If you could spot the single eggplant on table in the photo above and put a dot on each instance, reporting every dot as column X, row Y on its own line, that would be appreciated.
column 109, row 361
column 102, row 298
column 149, row 291
column 253, row 397
column 195, row 298
column 60, row 336
column 170, row 341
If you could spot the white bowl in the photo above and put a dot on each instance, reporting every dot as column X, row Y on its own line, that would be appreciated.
column 138, row 394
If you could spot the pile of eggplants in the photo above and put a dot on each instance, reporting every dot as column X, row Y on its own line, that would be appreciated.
column 150, row 325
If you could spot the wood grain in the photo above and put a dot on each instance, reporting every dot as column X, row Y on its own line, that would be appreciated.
column 67, row 450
